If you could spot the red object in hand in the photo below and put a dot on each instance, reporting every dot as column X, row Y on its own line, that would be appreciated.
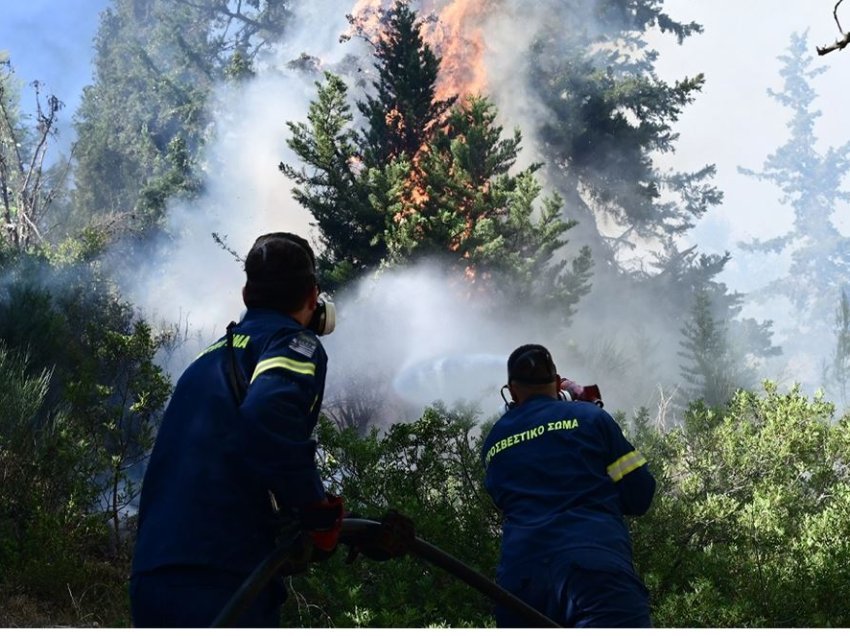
column 327, row 522
column 581, row 393
column 573, row 388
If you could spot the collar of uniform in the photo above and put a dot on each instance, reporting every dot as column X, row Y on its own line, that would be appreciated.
column 271, row 314
column 539, row 396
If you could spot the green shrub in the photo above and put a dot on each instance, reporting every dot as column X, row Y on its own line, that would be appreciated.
column 750, row 526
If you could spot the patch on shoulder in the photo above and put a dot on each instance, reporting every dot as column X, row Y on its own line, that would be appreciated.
column 304, row 343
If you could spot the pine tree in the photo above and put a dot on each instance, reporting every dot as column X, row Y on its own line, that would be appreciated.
column 837, row 373
column 709, row 371
column 609, row 114
column 606, row 119
column 811, row 182
column 725, row 351
column 464, row 205
column 348, row 181
column 420, row 181
column 403, row 111
column 334, row 185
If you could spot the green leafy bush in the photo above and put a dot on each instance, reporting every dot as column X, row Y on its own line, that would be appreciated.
column 79, row 397
column 750, row 526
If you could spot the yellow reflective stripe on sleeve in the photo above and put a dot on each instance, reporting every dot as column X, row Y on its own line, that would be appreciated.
column 626, row 464
column 304, row 368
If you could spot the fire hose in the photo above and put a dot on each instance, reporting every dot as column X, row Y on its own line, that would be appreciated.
column 293, row 556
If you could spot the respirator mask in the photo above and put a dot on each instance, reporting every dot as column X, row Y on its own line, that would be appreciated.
column 323, row 321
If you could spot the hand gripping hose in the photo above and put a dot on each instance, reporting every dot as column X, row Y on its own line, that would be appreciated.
column 293, row 557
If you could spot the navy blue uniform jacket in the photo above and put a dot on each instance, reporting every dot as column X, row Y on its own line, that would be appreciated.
column 563, row 475
column 205, row 495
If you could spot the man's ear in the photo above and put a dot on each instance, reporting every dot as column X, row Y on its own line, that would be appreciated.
column 244, row 293
column 511, row 391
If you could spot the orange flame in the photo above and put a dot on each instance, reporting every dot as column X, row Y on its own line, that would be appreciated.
column 365, row 20
column 456, row 36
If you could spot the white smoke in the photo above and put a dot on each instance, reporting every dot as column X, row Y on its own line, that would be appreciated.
column 416, row 333
column 197, row 285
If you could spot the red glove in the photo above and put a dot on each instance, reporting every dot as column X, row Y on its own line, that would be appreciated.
column 324, row 522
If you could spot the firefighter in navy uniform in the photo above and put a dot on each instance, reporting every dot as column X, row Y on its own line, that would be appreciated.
column 237, row 431
column 563, row 476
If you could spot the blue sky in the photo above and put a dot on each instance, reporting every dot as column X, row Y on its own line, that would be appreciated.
column 51, row 41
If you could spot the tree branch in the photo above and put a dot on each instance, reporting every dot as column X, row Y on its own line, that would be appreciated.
column 841, row 42
column 836, row 46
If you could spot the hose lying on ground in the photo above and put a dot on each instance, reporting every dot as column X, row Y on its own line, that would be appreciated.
column 294, row 556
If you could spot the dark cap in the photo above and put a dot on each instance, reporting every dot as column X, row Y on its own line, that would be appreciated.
column 280, row 270
column 531, row 364
column 279, row 255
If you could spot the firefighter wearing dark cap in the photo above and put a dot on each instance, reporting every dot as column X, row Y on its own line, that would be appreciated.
column 563, row 475
column 234, row 452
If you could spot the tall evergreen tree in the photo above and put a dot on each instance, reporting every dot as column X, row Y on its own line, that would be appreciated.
column 334, row 184
column 349, row 184
column 837, row 371
column 709, row 370
column 465, row 205
column 811, row 183
column 606, row 116
column 609, row 113
column 156, row 62
column 403, row 110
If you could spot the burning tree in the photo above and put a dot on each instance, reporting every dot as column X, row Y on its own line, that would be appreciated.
column 404, row 111
column 473, row 211
column 427, row 177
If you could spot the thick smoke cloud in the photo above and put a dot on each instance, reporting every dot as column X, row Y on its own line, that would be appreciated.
column 405, row 336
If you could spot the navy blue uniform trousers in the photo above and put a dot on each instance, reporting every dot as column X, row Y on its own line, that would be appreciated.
column 576, row 594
